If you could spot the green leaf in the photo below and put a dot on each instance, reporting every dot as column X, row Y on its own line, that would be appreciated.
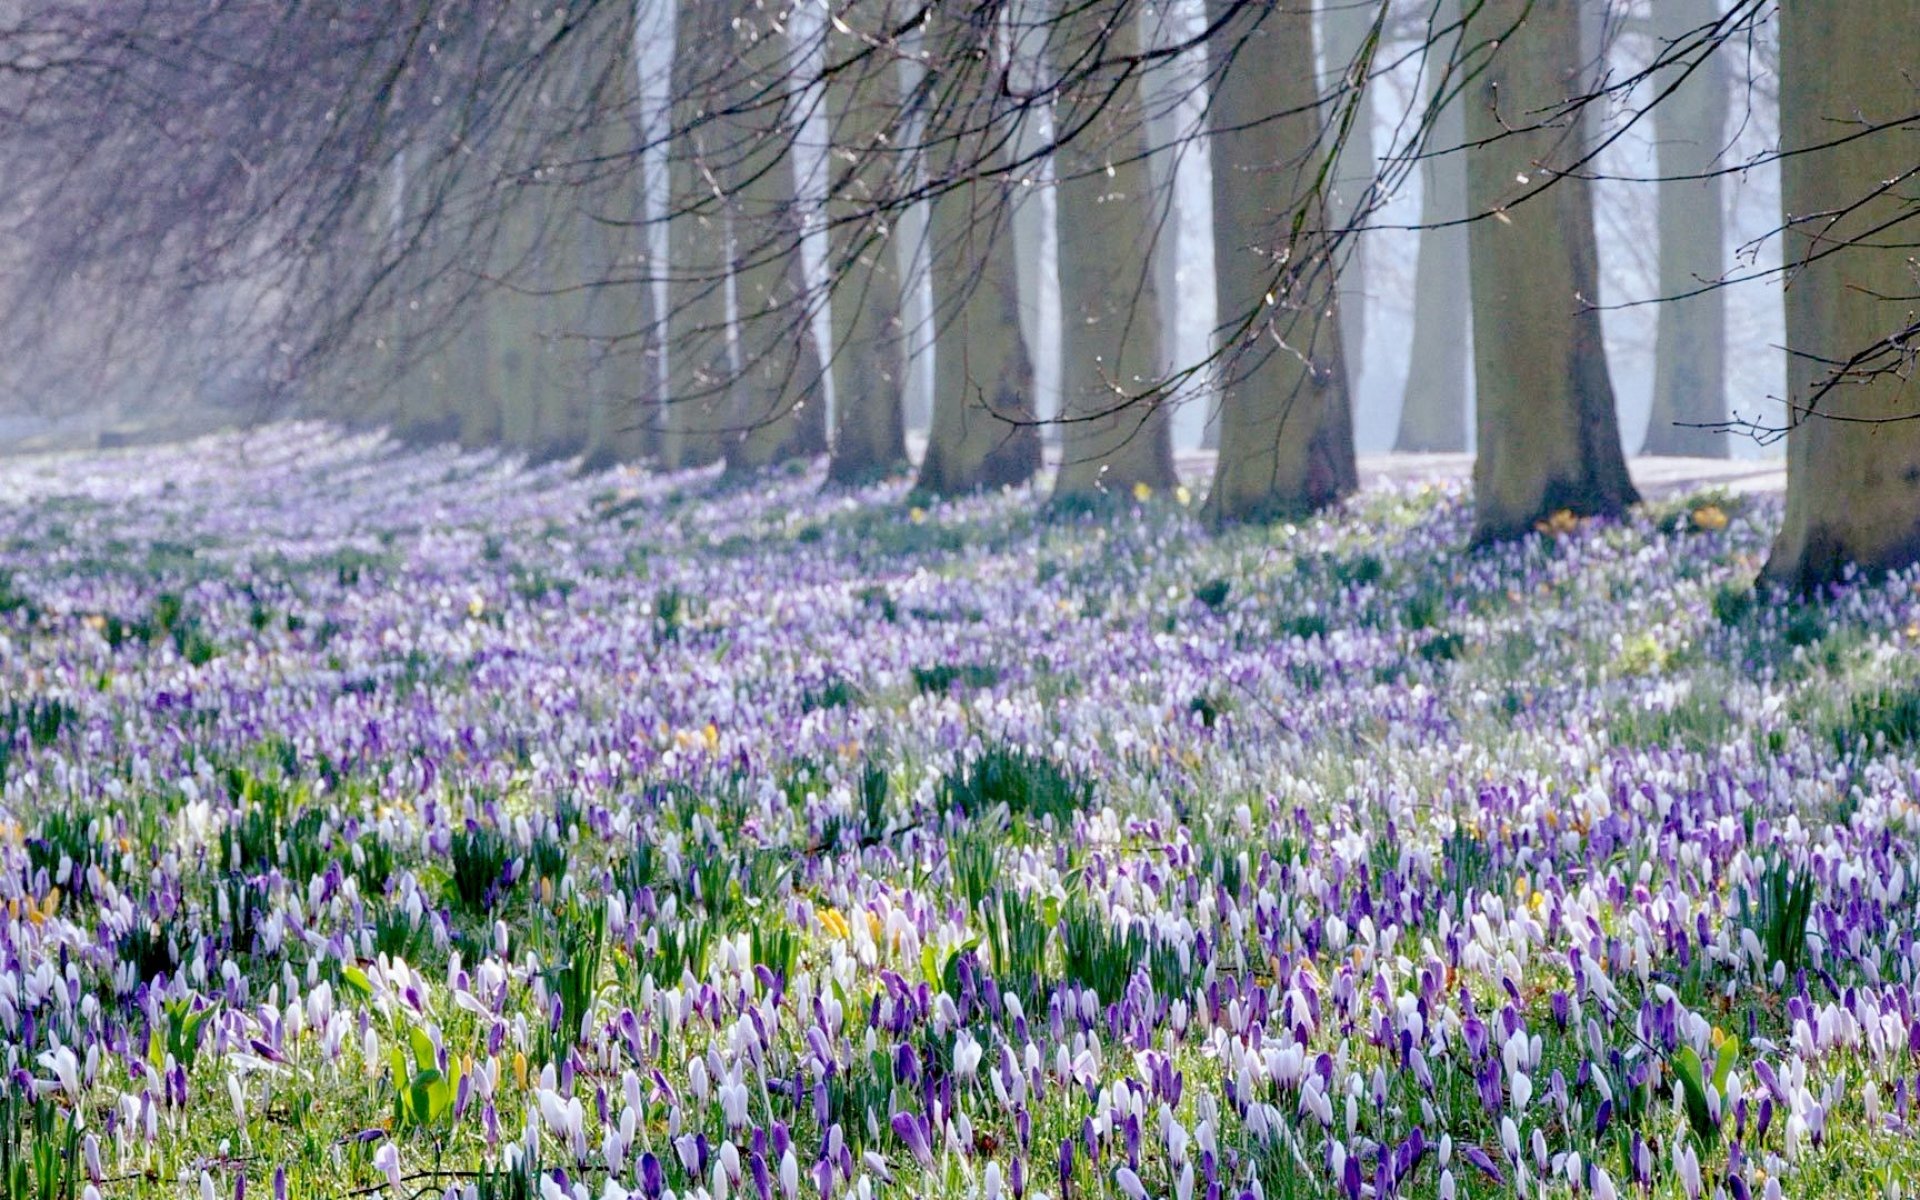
column 357, row 979
column 423, row 1055
column 1723, row 1063
column 950, row 973
column 1686, row 1065
column 183, row 1030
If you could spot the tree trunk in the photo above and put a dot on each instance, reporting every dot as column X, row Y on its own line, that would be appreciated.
column 1117, row 427
column 421, row 412
column 869, row 350
column 457, row 384
column 1548, row 436
column 1853, row 455
column 516, row 345
column 444, row 396
column 779, row 411
column 614, row 372
column 983, row 434
column 693, row 413
column 911, row 244
column 1690, row 337
column 1286, row 429
column 1433, row 409
column 477, row 391
column 618, row 367
column 558, row 312
column 1346, row 26
column 618, row 377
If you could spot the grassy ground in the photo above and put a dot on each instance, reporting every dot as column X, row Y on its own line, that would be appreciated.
column 380, row 821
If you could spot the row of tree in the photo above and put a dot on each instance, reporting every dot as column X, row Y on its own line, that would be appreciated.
column 635, row 230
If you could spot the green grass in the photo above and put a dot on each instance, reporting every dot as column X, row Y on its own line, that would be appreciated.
column 1024, row 783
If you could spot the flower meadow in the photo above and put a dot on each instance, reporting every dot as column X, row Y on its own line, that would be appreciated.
column 399, row 823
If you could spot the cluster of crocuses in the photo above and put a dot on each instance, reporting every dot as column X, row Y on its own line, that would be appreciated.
column 1393, row 868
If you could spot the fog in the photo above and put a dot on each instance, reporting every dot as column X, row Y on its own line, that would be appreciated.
column 112, row 380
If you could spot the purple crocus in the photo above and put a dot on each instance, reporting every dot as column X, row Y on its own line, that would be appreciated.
column 912, row 1131
column 1480, row 1159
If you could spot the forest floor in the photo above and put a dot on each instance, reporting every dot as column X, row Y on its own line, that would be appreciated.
column 1656, row 477
column 388, row 822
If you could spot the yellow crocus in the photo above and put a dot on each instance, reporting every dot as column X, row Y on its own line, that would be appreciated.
column 1709, row 517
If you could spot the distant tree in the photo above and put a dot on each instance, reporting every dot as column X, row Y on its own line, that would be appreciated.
column 778, row 407
column 502, row 332
column 983, row 433
column 867, row 167
column 517, row 374
column 1350, row 33
column 606, row 251
column 1548, row 436
column 1117, row 431
column 1286, row 429
column 1690, row 340
column 1433, row 409
column 694, row 413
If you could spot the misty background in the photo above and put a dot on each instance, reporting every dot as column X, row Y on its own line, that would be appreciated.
column 82, row 388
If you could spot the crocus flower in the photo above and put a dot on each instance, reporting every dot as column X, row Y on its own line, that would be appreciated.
column 912, row 1131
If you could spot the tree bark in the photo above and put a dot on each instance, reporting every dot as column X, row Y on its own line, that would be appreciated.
column 1116, row 434
column 618, row 367
column 983, row 434
column 1853, row 453
column 779, row 410
column 1548, row 436
column 614, row 372
column 1286, row 429
column 693, row 413
column 453, row 381
column 864, row 170
column 1433, row 408
column 423, row 412
column 1345, row 27
column 1690, row 335
column 516, row 346
column 481, row 421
